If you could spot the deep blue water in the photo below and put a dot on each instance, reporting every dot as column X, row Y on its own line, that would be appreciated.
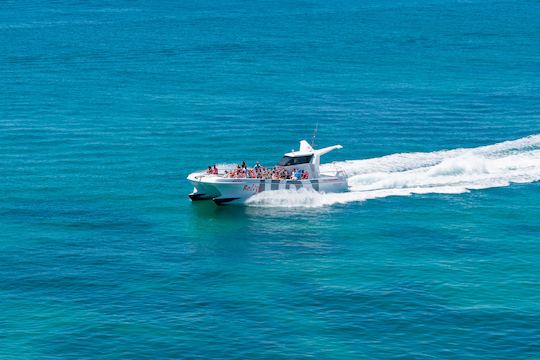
column 105, row 109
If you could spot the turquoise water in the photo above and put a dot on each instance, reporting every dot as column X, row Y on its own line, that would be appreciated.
column 106, row 108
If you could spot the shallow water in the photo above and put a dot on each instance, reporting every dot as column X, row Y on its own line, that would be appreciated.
column 105, row 109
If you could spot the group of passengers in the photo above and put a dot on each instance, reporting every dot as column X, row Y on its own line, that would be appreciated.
column 212, row 170
column 260, row 172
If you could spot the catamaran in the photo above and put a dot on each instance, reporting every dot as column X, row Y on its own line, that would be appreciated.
column 224, row 189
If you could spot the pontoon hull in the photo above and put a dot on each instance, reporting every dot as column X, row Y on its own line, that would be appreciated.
column 224, row 191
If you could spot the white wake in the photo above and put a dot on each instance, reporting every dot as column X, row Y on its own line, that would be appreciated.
column 442, row 172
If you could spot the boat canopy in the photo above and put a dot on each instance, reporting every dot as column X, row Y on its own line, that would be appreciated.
column 307, row 150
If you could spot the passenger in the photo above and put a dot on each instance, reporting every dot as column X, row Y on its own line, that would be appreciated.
column 244, row 165
column 305, row 175
column 215, row 170
column 257, row 166
column 209, row 171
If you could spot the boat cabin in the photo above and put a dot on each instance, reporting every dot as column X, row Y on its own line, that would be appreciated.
column 306, row 158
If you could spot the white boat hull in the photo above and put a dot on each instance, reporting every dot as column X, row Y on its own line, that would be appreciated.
column 236, row 191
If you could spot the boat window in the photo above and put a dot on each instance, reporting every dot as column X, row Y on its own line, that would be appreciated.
column 288, row 160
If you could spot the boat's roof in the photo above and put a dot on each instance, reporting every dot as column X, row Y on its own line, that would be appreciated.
column 307, row 150
column 298, row 153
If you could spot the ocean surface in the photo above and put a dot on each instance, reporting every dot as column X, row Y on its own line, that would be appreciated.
column 106, row 107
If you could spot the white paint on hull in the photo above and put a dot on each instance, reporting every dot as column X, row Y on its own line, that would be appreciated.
column 237, row 191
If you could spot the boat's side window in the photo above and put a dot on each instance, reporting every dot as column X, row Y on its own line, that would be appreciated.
column 302, row 160
column 287, row 160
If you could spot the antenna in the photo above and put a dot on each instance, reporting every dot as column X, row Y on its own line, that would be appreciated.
column 314, row 134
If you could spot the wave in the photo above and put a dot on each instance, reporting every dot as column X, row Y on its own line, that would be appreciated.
column 441, row 172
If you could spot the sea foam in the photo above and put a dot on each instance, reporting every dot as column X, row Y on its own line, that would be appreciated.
column 440, row 172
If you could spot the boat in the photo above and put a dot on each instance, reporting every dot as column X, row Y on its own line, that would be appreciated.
column 223, row 189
